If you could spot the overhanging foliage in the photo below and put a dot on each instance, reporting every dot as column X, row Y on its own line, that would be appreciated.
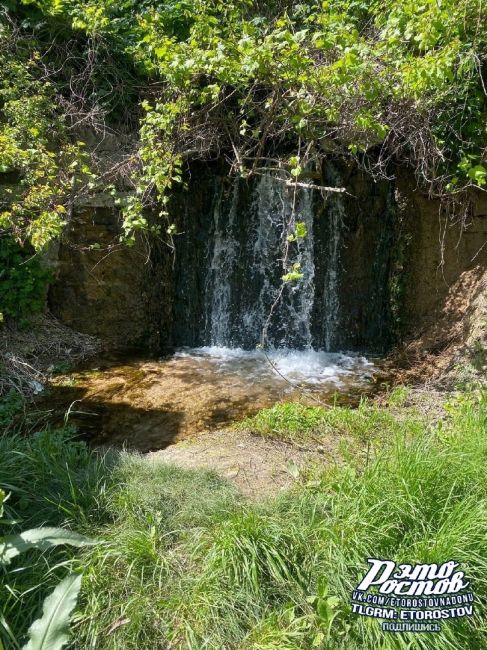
column 275, row 84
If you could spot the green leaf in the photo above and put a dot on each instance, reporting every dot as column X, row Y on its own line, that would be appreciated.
column 40, row 539
column 292, row 276
column 51, row 631
column 301, row 230
column 478, row 174
column 323, row 610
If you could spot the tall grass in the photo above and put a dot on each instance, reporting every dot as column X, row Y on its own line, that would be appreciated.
column 186, row 563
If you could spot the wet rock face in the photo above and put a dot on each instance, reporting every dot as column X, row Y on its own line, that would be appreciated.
column 228, row 264
column 109, row 291
column 382, row 259
column 365, row 267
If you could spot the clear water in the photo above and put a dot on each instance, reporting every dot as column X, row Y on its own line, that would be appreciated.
column 147, row 404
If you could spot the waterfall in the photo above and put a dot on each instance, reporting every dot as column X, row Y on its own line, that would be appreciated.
column 245, row 269
column 301, row 300
column 229, row 262
column 221, row 268
column 264, row 245
column 331, row 300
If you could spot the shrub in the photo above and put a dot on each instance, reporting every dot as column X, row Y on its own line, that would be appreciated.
column 23, row 281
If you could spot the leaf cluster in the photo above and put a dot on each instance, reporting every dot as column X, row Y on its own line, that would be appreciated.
column 259, row 83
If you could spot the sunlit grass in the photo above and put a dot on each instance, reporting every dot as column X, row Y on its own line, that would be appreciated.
column 295, row 422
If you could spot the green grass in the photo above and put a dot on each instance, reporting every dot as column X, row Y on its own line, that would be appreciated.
column 288, row 420
column 294, row 422
column 186, row 563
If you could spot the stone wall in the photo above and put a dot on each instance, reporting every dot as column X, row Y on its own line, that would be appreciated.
column 105, row 289
column 401, row 253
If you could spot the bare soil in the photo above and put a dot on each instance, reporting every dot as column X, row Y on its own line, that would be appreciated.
column 257, row 466
column 453, row 346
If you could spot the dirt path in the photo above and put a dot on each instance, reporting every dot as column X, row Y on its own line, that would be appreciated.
column 258, row 467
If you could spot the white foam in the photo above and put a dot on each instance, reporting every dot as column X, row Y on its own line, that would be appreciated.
column 297, row 366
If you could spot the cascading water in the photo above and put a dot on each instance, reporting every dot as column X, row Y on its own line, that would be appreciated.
column 246, row 267
column 248, row 253
column 218, row 290
column 300, row 296
column 331, row 299
column 233, row 251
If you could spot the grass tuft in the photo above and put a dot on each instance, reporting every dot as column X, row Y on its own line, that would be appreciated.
column 294, row 422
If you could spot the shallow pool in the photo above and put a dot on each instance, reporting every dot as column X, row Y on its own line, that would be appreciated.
column 148, row 403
